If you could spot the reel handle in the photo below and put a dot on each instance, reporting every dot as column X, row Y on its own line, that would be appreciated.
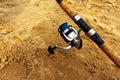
column 51, row 49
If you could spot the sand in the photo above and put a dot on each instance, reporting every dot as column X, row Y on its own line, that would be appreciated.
column 28, row 27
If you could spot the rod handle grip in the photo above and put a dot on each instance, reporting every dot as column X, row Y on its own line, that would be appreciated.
column 112, row 54
column 67, row 9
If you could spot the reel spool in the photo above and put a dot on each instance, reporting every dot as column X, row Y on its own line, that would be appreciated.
column 70, row 35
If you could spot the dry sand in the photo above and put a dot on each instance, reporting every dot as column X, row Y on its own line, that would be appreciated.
column 28, row 27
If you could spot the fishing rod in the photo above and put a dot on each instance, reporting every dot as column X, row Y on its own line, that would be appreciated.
column 91, row 33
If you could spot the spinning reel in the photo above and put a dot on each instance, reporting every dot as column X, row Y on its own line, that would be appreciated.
column 70, row 35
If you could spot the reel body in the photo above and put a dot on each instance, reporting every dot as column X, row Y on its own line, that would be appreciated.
column 70, row 35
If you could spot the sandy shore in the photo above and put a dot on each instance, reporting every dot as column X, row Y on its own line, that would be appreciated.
column 28, row 27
